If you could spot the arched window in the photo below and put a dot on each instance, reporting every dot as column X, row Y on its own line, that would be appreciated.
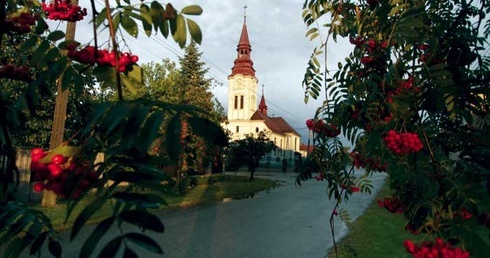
column 241, row 102
column 236, row 102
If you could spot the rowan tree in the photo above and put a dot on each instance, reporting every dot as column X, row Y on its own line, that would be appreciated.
column 412, row 98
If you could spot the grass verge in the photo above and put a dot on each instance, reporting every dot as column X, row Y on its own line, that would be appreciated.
column 209, row 189
column 376, row 233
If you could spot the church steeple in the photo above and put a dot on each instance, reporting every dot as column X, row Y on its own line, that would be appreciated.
column 242, row 90
column 262, row 105
column 243, row 63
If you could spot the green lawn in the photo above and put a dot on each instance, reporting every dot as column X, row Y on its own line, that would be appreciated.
column 209, row 189
column 376, row 233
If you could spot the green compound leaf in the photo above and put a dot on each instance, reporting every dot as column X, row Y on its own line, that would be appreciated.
column 192, row 10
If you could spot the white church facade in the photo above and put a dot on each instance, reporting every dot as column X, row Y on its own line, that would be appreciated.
column 246, row 116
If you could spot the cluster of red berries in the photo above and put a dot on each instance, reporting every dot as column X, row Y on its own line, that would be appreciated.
column 438, row 249
column 425, row 56
column 353, row 188
column 403, row 143
column 463, row 213
column 369, row 44
column 371, row 163
column 392, row 204
column 357, row 41
column 403, row 85
column 320, row 177
column 13, row 72
column 89, row 55
column 320, row 127
column 60, row 175
column 64, row 10
column 20, row 24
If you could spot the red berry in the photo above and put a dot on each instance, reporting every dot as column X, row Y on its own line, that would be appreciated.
column 37, row 151
column 58, row 159
column 36, row 158
column 134, row 59
column 409, row 245
column 355, row 189
column 54, row 170
column 38, row 187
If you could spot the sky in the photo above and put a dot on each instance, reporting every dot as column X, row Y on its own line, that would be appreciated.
column 280, row 50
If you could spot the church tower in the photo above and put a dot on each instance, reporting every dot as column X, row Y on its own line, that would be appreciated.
column 242, row 83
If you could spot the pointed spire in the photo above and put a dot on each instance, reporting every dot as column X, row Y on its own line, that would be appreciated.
column 243, row 63
column 245, row 14
column 262, row 105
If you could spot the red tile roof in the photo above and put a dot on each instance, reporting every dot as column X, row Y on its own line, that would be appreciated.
column 275, row 124
column 305, row 147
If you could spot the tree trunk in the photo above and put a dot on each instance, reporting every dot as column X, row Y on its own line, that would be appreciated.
column 252, row 169
column 58, row 129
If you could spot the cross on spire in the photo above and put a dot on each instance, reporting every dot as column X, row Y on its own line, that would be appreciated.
column 245, row 13
column 263, row 88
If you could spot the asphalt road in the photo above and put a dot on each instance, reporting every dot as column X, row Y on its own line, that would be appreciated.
column 289, row 221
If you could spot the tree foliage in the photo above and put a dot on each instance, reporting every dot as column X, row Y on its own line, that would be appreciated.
column 124, row 130
column 419, row 70
column 249, row 150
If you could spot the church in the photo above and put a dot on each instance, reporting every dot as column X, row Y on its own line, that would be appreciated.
column 245, row 116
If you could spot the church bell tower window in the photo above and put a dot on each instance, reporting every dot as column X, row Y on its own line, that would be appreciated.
column 236, row 102
column 241, row 102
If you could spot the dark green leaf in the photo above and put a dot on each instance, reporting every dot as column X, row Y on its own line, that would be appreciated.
column 96, row 115
column 173, row 137
column 128, row 253
column 13, row 248
column 111, row 248
column 87, row 212
column 143, row 219
column 91, row 243
column 29, row 43
column 105, row 73
column 54, row 248
column 39, row 53
column 145, row 242
column 135, row 120
column 41, row 26
column 116, row 20
column 143, row 200
column 36, row 245
column 209, row 130
column 149, row 131
column 145, row 13
column 129, row 25
column 195, row 31
column 156, row 13
column 101, row 17
column 56, row 35
column 68, row 78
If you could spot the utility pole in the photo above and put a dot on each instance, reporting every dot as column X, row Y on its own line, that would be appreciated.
column 58, row 128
